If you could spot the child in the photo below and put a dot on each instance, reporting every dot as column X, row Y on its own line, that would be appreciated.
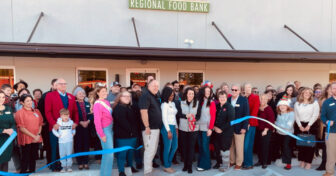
column 285, row 120
column 65, row 135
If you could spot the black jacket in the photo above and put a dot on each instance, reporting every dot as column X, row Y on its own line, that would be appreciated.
column 224, row 115
column 125, row 122
column 241, row 110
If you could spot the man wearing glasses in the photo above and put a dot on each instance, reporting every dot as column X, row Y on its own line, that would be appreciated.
column 241, row 107
column 54, row 102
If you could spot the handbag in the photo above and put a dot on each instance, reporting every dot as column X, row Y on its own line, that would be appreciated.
column 308, row 138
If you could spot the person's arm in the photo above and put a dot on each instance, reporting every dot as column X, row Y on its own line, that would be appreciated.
column 144, row 117
column 56, row 133
column 48, row 109
column 324, row 112
column 97, row 111
column 199, row 111
column 144, row 103
column 164, row 111
column 315, row 115
column 212, row 115
column 297, row 114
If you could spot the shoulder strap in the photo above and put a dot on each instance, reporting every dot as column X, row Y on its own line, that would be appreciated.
column 105, row 105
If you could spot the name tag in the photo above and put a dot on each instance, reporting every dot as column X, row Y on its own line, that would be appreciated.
column 36, row 115
column 332, row 104
column 8, row 112
column 87, row 106
column 237, row 105
column 111, row 102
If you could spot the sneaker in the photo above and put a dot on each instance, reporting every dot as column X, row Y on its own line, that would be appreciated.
column 63, row 170
column 199, row 169
column 69, row 169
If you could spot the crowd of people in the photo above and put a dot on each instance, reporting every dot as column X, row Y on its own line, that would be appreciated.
column 180, row 123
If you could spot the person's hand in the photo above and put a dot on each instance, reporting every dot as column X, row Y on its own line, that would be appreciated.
column 302, row 129
column 188, row 116
column 82, row 123
column 36, row 138
column 8, row 131
column 170, row 135
column 331, row 122
column 264, row 133
column 74, row 126
column 103, row 139
column 56, row 126
column 147, row 131
column 209, row 132
column 242, row 131
column 218, row 130
column 307, row 128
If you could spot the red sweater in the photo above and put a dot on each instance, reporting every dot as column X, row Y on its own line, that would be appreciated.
column 212, row 115
column 254, row 104
column 53, row 104
column 266, row 114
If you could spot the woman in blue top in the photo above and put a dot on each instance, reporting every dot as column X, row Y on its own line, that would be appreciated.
column 285, row 120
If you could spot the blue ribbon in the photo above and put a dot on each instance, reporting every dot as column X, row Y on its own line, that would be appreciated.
column 233, row 122
column 100, row 152
column 8, row 142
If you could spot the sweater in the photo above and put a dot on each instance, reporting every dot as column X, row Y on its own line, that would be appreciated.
column 208, row 116
column 65, row 132
column 266, row 114
column 125, row 122
column 169, row 112
column 286, row 122
column 328, row 112
column 306, row 113
column 187, row 108
column 102, row 116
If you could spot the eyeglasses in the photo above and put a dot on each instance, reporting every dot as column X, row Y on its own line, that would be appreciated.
column 63, row 84
column 234, row 90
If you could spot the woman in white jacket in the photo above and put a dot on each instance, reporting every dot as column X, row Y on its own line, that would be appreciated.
column 306, row 114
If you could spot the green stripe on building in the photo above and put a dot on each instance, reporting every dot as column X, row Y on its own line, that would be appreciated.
column 170, row 5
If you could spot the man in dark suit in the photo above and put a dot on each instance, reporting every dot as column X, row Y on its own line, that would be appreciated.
column 241, row 106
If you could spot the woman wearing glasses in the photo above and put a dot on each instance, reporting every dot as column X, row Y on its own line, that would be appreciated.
column 125, row 130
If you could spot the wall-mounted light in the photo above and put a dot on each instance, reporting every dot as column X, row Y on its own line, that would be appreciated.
column 188, row 42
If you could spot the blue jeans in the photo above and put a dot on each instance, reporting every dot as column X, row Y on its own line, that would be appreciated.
column 170, row 145
column 122, row 156
column 248, row 146
column 204, row 161
column 107, row 159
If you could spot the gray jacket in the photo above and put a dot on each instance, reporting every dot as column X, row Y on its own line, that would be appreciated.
column 187, row 109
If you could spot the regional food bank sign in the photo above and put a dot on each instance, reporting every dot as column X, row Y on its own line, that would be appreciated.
column 171, row 5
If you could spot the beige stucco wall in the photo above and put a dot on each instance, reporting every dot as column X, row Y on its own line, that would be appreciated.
column 39, row 71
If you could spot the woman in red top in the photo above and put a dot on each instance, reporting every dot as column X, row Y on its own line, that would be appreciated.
column 29, row 122
column 264, row 130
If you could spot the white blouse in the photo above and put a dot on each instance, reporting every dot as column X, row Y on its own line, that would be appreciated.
column 169, row 112
column 306, row 113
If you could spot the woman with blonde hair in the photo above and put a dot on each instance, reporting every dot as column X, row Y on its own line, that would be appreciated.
column 306, row 114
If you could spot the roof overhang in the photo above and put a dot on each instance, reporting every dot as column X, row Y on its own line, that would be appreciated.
column 160, row 54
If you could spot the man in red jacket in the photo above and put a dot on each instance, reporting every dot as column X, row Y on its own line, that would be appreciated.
column 254, row 104
column 54, row 102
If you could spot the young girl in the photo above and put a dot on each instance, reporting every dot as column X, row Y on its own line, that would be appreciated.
column 285, row 120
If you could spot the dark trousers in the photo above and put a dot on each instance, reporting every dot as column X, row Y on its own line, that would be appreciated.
column 221, row 142
column 29, row 156
column 4, row 167
column 188, row 147
column 274, row 150
column 138, row 154
column 286, row 148
column 306, row 154
column 263, row 146
column 94, row 140
column 46, row 142
column 16, row 156
column 82, row 143
column 54, row 152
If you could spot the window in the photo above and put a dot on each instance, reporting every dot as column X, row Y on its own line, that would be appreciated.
column 87, row 78
column 332, row 76
column 139, row 76
column 190, row 77
column 7, row 76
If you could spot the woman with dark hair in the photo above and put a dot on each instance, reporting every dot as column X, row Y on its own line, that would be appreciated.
column 125, row 130
column 169, row 129
column 103, row 121
column 37, row 93
column 7, row 126
column 188, row 127
column 206, row 123
column 18, row 104
column 289, row 94
column 223, row 131
column 81, row 139
column 29, row 122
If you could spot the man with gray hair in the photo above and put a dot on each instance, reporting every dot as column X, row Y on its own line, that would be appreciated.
column 151, row 116
column 240, row 104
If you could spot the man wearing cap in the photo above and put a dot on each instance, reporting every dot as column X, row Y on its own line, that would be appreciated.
column 114, row 91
